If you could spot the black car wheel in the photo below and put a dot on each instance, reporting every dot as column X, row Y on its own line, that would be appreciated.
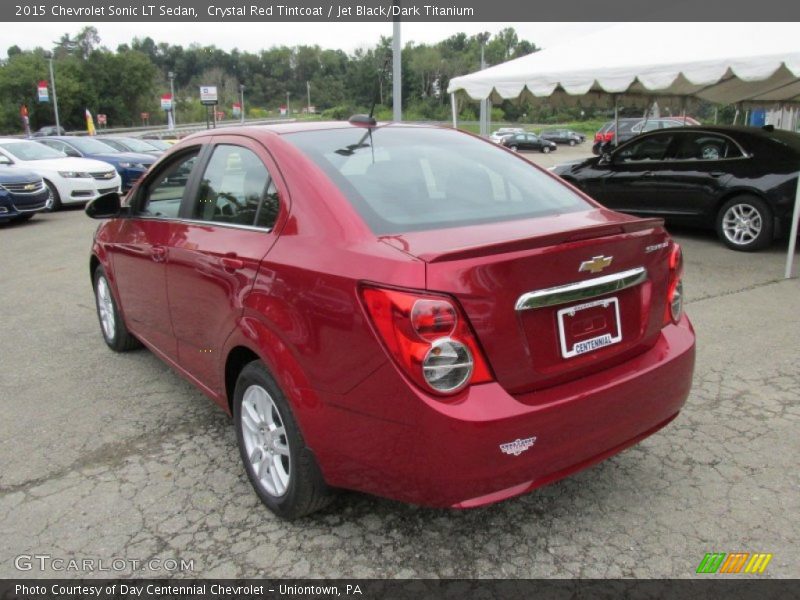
column 546, row 149
column 514, row 148
column 572, row 142
column 280, row 467
column 745, row 223
column 53, row 199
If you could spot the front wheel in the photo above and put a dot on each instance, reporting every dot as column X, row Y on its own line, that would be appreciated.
column 53, row 199
column 572, row 142
column 745, row 223
column 282, row 470
column 546, row 149
column 115, row 334
column 514, row 148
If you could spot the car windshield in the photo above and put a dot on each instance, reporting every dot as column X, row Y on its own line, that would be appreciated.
column 31, row 151
column 91, row 146
column 159, row 144
column 403, row 179
column 137, row 145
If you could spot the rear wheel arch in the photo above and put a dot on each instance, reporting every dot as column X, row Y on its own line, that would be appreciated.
column 237, row 359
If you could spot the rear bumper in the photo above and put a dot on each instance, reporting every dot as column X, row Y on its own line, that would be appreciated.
column 450, row 454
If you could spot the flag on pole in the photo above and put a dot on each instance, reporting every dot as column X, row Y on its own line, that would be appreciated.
column 90, row 123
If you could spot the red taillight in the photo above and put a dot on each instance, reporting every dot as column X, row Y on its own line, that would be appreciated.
column 598, row 137
column 609, row 136
column 428, row 337
column 674, row 309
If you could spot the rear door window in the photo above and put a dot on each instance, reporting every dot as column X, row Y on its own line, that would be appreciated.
column 649, row 148
column 701, row 146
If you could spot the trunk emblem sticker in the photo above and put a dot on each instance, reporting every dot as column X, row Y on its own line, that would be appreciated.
column 597, row 264
column 518, row 446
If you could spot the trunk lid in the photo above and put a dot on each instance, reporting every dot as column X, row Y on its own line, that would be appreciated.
column 539, row 319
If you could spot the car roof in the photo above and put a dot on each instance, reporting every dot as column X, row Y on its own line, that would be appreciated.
column 299, row 127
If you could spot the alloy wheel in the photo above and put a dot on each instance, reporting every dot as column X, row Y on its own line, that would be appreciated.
column 105, row 306
column 742, row 224
column 265, row 440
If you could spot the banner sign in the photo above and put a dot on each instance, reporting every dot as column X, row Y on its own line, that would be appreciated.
column 208, row 94
column 166, row 102
column 42, row 91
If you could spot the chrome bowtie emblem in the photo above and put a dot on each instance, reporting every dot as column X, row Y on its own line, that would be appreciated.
column 597, row 264
column 518, row 446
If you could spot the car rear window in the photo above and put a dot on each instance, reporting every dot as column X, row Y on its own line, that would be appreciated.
column 403, row 179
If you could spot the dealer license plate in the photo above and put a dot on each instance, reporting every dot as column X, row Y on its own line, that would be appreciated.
column 589, row 326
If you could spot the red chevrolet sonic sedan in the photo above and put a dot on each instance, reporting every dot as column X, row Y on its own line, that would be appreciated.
column 407, row 311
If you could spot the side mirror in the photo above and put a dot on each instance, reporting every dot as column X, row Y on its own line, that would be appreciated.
column 73, row 153
column 605, row 157
column 107, row 206
column 4, row 160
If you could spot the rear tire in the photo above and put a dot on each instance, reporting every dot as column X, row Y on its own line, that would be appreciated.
column 745, row 223
column 572, row 142
column 514, row 148
column 281, row 469
column 54, row 200
column 115, row 334
column 546, row 149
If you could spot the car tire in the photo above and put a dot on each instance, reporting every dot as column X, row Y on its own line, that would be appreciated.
column 546, row 149
column 53, row 200
column 513, row 148
column 745, row 223
column 281, row 469
column 572, row 142
column 115, row 333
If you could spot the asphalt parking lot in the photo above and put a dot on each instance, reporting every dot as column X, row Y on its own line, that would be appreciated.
column 110, row 455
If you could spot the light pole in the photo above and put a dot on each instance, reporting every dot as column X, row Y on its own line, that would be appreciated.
column 397, row 68
column 288, row 106
column 482, row 39
column 49, row 56
column 241, row 101
column 171, row 76
column 308, row 94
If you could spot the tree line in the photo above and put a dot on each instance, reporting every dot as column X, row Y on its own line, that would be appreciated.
column 129, row 80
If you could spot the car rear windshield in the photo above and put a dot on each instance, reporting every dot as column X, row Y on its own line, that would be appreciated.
column 403, row 179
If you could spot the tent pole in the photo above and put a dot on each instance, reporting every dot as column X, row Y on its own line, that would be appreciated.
column 616, row 120
column 793, row 234
column 453, row 109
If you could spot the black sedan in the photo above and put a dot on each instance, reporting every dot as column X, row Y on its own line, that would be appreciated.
column 562, row 136
column 741, row 181
column 528, row 141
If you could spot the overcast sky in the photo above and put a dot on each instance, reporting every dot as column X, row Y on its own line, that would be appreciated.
column 256, row 36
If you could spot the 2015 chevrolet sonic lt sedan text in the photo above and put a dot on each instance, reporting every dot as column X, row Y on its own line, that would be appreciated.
column 407, row 311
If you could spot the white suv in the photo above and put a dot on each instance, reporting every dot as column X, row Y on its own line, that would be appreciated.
column 69, row 180
column 498, row 135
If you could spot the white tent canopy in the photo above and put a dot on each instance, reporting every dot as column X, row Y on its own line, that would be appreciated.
column 755, row 64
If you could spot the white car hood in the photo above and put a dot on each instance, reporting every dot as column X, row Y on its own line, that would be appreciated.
column 68, row 163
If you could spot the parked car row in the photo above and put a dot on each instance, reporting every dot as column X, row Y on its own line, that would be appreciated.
column 68, row 170
column 741, row 181
column 556, row 136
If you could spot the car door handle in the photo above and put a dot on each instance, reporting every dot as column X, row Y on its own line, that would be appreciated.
column 648, row 174
column 717, row 173
column 231, row 263
column 158, row 253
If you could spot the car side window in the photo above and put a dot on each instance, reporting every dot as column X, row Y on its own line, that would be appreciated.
column 705, row 146
column 163, row 197
column 650, row 148
column 60, row 146
column 236, row 188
